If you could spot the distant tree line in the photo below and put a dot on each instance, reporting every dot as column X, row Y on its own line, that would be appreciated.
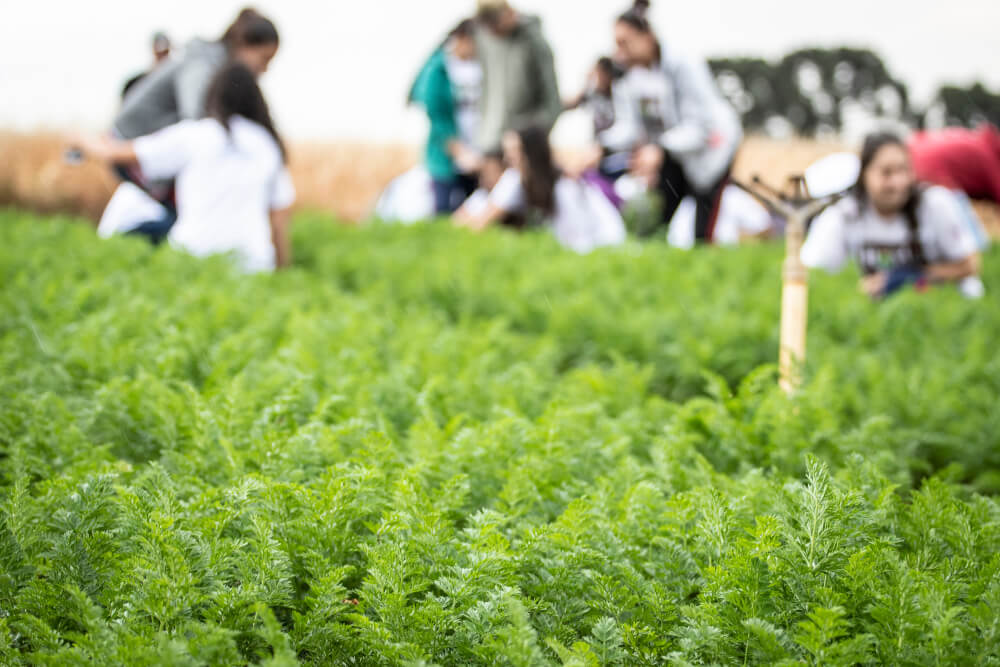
column 823, row 91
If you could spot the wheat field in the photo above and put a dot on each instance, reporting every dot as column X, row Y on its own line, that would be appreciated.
column 343, row 178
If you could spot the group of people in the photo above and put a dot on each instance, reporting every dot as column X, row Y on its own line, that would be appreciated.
column 203, row 166
column 201, row 162
column 660, row 123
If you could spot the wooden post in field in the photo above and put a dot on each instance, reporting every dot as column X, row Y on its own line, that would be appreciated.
column 797, row 211
column 794, row 304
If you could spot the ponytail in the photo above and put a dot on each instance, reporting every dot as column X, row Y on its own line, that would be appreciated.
column 250, row 28
column 637, row 18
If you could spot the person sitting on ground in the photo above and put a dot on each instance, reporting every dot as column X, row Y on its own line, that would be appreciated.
column 161, row 52
column 519, row 77
column 898, row 231
column 684, row 133
column 176, row 91
column 234, row 192
column 449, row 87
column 490, row 172
column 580, row 216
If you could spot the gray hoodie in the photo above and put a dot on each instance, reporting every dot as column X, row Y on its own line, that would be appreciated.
column 173, row 92
column 519, row 81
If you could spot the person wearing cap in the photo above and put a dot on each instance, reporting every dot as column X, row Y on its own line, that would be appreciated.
column 519, row 78
column 161, row 52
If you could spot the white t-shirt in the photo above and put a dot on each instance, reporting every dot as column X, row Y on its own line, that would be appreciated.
column 847, row 231
column 740, row 215
column 227, row 185
column 584, row 219
column 466, row 78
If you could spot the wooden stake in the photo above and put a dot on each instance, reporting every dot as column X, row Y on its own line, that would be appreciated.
column 795, row 277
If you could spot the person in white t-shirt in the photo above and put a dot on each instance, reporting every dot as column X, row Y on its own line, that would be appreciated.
column 580, row 216
column 234, row 192
column 899, row 232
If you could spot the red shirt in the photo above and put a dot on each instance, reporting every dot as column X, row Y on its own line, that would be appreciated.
column 960, row 159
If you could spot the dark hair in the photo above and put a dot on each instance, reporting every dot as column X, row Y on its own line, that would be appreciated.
column 609, row 67
column 466, row 28
column 234, row 91
column 874, row 143
column 250, row 29
column 637, row 18
column 539, row 174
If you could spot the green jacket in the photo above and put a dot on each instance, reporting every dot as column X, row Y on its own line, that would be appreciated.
column 433, row 91
column 519, row 82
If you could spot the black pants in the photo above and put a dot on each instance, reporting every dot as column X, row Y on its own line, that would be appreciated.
column 674, row 187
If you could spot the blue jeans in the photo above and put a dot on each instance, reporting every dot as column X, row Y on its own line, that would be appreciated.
column 449, row 194
column 155, row 231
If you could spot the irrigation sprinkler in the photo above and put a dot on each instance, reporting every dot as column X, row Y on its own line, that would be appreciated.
column 797, row 209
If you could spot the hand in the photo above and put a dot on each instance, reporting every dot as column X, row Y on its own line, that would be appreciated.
column 89, row 145
column 647, row 163
column 874, row 285
column 587, row 160
column 466, row 159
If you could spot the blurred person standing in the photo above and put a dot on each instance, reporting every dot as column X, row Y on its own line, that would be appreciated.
column 161, row 52
column 449, row 87
column 684, row 133
column 519, row 78
column 234, row 192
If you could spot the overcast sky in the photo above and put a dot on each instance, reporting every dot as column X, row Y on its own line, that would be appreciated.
column 345, row 66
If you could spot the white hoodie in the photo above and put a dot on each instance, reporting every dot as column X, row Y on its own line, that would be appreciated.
column 678, row 105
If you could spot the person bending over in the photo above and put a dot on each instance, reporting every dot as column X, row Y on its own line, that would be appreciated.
column 234, row 192
column 176, row 91
column 670, row 112
column 897, row 230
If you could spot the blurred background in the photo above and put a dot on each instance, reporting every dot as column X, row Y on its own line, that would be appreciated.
column 806, row 77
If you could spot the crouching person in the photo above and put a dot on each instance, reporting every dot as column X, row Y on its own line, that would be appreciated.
column 900, row 232
column 234, row 192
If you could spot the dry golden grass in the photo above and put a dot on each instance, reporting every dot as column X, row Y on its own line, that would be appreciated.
column 344, row 178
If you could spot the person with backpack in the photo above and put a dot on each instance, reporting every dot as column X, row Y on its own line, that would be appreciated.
column 234, row 192
column 176, row 91
column 671, row 115
column 898, row 231
column 519, row 77
column 449, row 87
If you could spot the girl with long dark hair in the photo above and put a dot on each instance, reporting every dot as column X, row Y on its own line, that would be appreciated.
column 898, row 231
column 534, row 189
column 177, row 91
column 671, row 114
column 233, row 189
